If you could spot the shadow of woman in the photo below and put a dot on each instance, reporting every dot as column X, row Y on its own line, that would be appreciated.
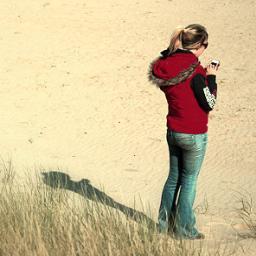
column 83, row 187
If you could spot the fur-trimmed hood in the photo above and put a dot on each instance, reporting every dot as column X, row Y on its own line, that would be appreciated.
column 171, row 69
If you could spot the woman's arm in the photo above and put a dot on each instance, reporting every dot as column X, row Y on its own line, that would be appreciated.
column 205, row 95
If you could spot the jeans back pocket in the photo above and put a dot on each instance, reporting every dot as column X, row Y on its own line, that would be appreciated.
column 184, row 140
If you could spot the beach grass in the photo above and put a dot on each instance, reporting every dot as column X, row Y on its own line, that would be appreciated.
column 247, row 213
column 36, row 219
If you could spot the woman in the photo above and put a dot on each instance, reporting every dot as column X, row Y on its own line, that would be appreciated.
column 191, row 92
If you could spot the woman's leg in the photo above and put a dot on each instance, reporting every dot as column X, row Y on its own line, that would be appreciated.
column 171, row 187
column 192, row 159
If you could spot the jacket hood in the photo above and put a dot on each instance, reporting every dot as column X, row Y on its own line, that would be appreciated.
column 171, row 69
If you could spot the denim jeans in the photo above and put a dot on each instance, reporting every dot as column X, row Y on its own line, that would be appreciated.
column 186, row 153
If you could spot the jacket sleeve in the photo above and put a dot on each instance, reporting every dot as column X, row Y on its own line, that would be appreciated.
column 205, row 95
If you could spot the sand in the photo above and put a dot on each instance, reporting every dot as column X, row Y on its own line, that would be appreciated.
column 75, row 97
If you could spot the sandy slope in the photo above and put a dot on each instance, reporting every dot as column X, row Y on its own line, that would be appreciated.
column 75, row 95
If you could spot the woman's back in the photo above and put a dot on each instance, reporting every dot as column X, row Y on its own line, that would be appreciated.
column 184, row 112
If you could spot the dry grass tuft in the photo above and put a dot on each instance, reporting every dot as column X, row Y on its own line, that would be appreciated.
column 247, row 213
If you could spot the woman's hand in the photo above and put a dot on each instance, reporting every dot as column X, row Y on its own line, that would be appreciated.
column 211, row 69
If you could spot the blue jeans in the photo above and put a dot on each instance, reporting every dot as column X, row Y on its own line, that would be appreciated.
column 186, row 152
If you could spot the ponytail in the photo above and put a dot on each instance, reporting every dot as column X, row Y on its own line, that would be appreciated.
column 175, row 41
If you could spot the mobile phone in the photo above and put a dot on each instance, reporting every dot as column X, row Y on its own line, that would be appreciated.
column 215, row 62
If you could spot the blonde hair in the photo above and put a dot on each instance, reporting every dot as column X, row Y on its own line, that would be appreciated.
column 190, row 37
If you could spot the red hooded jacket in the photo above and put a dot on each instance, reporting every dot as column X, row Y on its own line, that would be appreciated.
column 173, row 75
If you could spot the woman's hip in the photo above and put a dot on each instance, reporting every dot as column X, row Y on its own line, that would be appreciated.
column 187, row 141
